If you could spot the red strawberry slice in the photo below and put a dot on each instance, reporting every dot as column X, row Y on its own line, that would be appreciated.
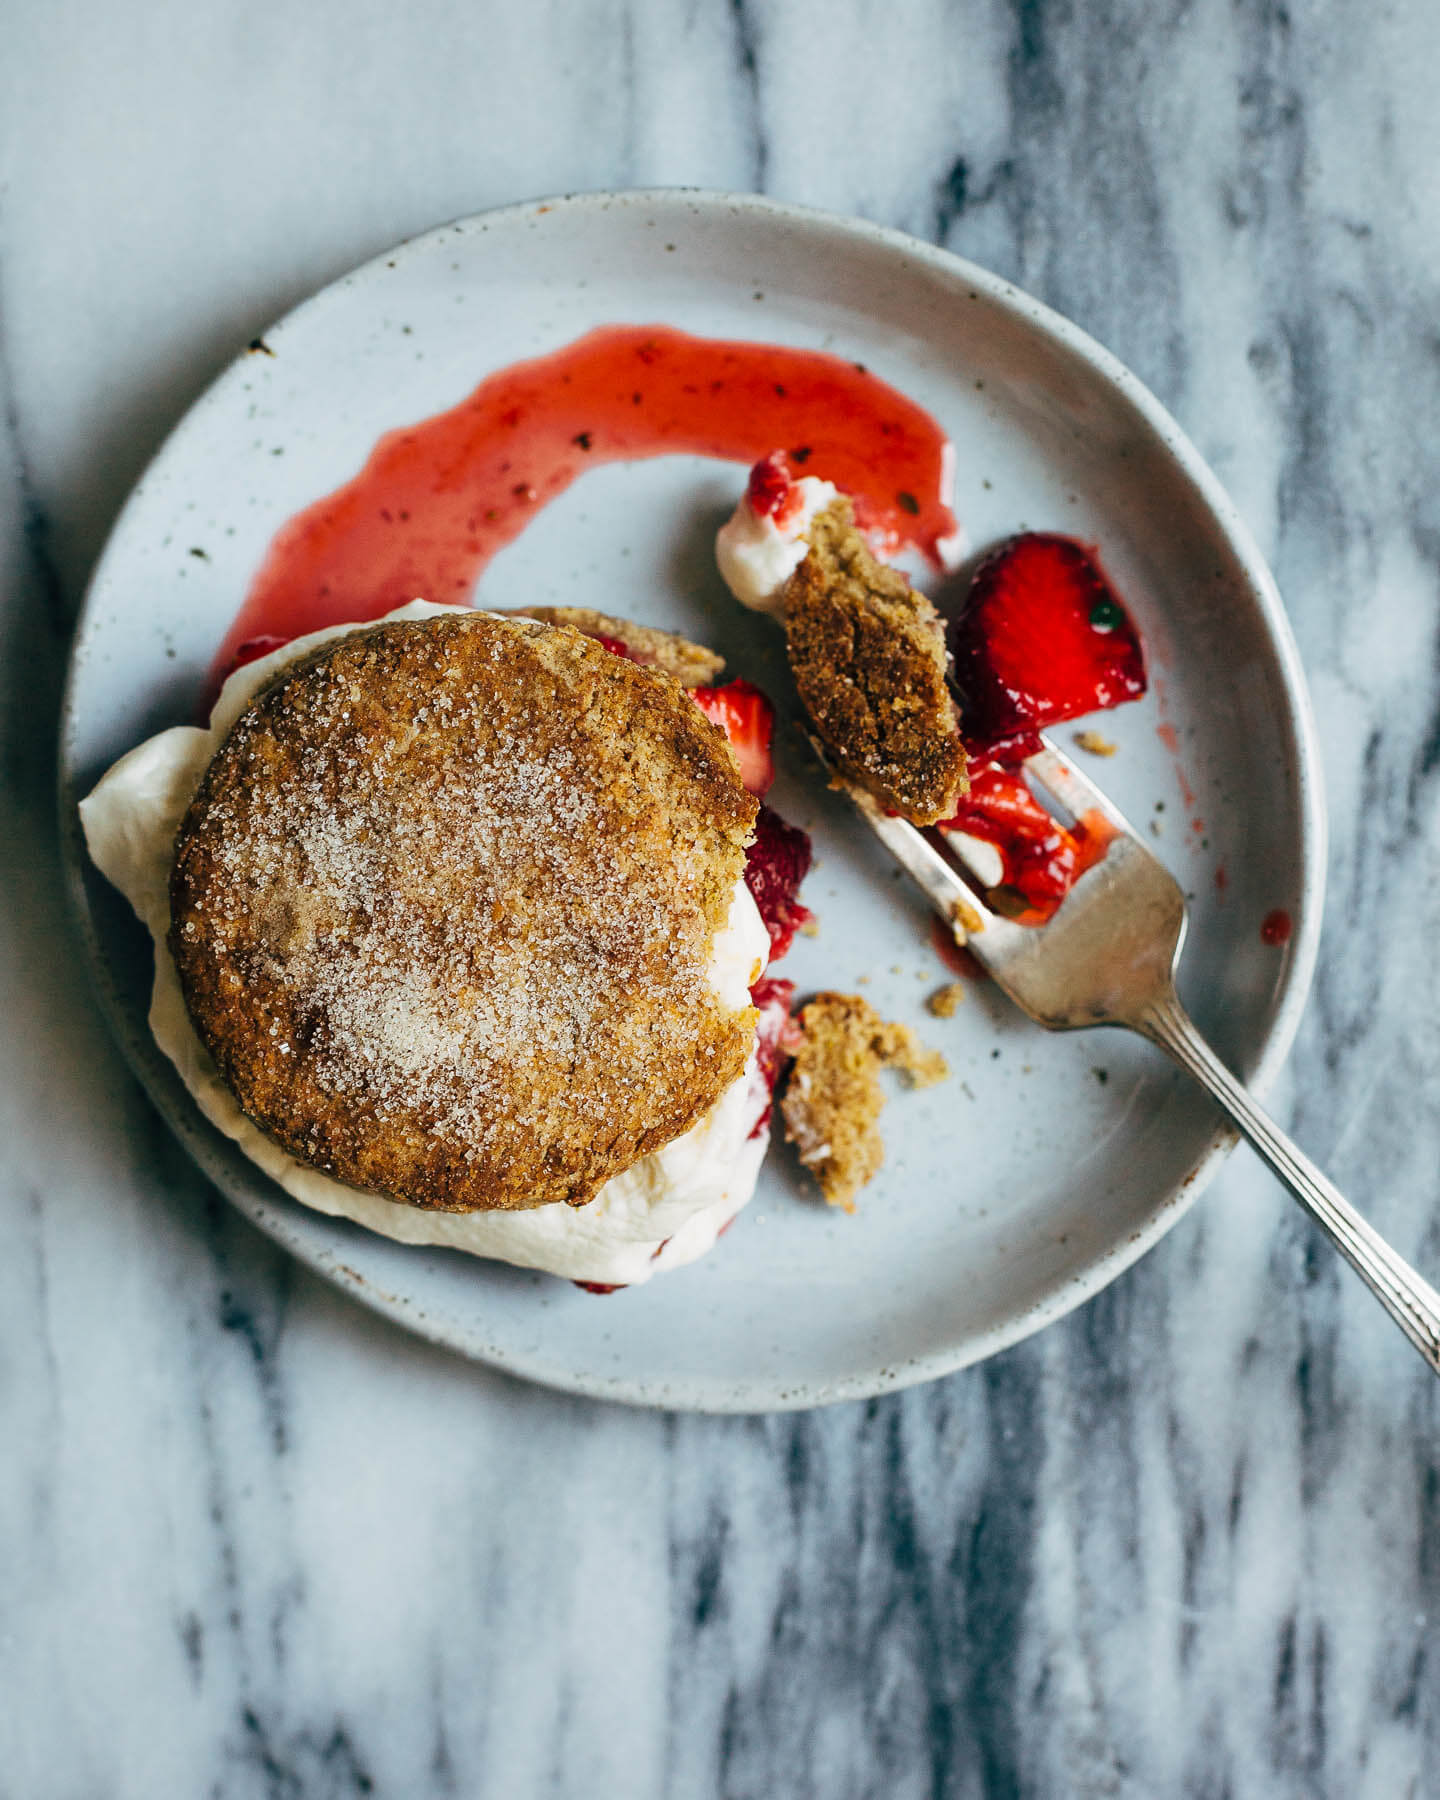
column 1042, row 638
column 748, row 719
column 772, row 998
column 772, row 490
column 1042, row 859
column 775, row 865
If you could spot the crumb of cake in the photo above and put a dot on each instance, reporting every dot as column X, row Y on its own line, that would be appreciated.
column 692, row 665
column 869, row 660
column 443, row 911
column 1096, row 743
column 834, row 1099
column 945, row 1001
column 811, row 928
column 965, row 921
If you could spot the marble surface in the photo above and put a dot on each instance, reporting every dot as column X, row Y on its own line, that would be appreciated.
column 256, row 1542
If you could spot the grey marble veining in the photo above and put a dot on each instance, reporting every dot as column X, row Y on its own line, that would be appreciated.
column 256, row 1542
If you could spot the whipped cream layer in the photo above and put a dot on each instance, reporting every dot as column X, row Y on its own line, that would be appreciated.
column 665, row 1210
column 756, row 555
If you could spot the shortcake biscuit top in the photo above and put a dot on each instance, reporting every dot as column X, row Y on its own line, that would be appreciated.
column 445, row 905
column 868, row 655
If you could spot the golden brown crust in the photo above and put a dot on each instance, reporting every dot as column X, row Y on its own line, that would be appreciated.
column 869, row 660
column 833, row 1098
column 692, row 665
column 444, row 906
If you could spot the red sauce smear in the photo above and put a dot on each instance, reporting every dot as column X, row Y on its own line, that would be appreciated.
column 1276, row 927
column 437, row 499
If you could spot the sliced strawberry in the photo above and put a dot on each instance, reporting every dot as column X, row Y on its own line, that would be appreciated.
column 1042, row 638
column 1042, row 859
column 614, row 646
column 772, row 490
column 748, row 719
column 775, row 865
column 772, row 997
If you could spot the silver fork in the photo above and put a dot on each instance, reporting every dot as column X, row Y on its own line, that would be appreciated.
column 1107, row 957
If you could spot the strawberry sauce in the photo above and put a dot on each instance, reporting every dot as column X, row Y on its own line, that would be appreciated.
column 1276, row 927
column 437, row 499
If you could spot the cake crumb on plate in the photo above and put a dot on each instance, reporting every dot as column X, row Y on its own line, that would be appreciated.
column 834, row 1099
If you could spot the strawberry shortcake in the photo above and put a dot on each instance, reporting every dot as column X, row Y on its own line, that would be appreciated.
column 454, row 935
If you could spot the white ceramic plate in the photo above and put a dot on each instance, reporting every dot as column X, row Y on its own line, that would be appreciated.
column 1030, row 1179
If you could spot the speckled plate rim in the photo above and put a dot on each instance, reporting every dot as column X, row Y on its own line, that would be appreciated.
column 1298, row 724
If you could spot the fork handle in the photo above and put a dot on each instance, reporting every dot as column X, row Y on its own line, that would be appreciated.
column 1409, row 1299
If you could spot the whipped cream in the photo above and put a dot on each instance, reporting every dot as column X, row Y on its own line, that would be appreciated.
column 666, row 1210
column 757, row 556
column 980, row 857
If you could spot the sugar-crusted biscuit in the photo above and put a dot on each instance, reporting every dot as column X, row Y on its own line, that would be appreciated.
column 444, row 908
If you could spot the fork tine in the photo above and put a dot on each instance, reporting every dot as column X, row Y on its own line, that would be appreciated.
column 952, row 895
column 1073, row 788
column 950, row 891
